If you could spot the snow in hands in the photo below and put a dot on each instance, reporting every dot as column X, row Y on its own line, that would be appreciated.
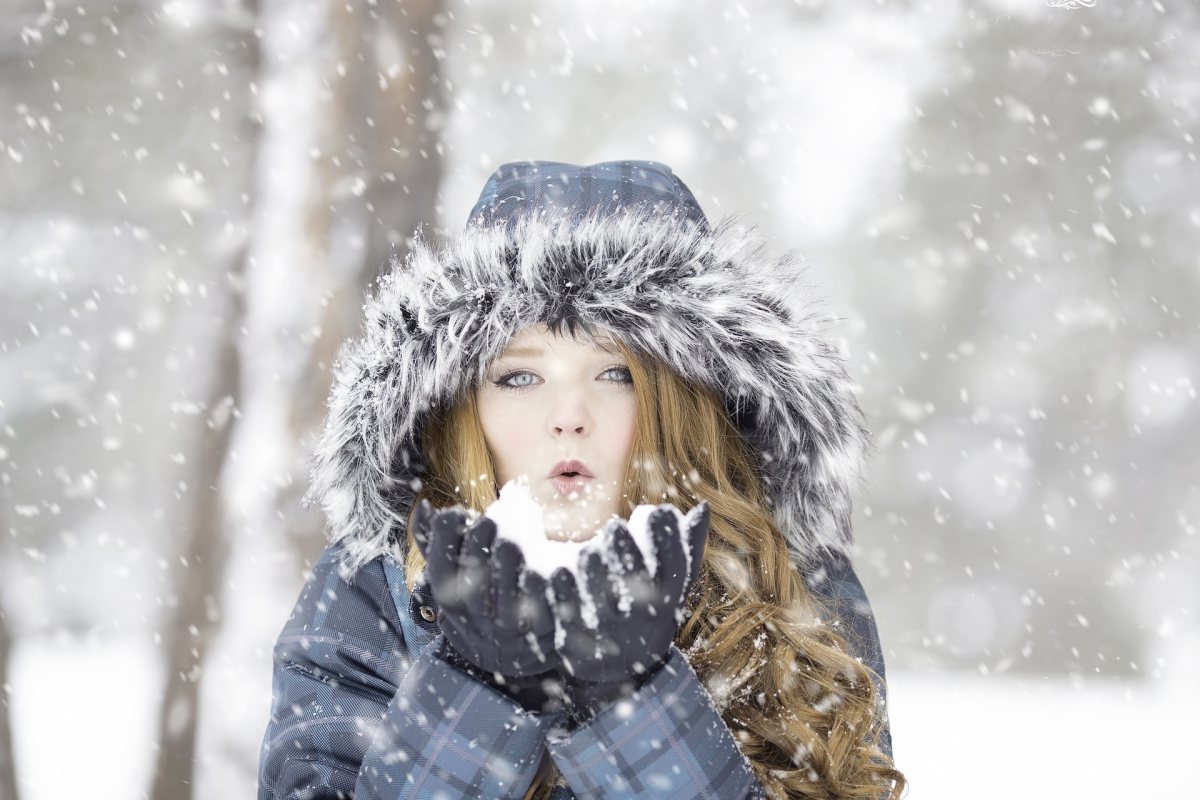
column 520, row 519
column 621, row 565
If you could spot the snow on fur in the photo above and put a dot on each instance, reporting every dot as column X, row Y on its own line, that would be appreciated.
column 703, row 300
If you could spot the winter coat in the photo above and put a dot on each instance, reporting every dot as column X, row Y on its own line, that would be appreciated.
column 363, row 704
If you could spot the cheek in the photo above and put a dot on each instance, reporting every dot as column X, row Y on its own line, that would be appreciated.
column 620, row 432
column 507, row 434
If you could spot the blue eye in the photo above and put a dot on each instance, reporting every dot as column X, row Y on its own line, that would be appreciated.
column 504, row 384
column 503, row 381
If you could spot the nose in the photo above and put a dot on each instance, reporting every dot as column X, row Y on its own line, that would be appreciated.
column 569, row 422
column 569, row 414
column 559, row 429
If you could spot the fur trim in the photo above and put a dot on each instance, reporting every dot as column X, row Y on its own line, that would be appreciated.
column 704, row 301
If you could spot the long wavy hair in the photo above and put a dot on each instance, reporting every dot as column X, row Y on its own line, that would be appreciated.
column 803, row 710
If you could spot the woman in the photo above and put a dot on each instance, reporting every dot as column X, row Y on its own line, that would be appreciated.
column 672, row 364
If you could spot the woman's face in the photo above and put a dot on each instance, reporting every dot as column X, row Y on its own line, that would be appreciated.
column 548, row 399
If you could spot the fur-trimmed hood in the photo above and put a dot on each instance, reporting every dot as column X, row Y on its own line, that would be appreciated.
column 705, row 301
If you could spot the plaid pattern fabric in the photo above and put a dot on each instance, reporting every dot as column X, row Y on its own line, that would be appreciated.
column 353, row 716
column 336, row 666
column 554, row 187
column 667, row 741
column 450, row 735
column 363, row 706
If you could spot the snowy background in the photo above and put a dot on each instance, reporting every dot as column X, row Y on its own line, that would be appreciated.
column 999, row 199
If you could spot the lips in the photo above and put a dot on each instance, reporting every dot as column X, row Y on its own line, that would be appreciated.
column 566, row 468
column 569, row 477
column 567, row 485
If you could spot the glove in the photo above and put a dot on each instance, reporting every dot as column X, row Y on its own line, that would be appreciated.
column 638, row 613
column 498, row 628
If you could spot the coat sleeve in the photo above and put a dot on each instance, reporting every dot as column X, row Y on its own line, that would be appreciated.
column 667, row 741
column 354, row 714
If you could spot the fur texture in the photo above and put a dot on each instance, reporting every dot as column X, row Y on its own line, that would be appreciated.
column 702, row 300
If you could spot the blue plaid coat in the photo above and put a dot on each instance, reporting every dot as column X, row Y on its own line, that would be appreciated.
column 363, row 706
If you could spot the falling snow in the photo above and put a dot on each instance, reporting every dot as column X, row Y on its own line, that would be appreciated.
column 998, row 201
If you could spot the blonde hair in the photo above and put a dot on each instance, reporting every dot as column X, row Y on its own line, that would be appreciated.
column 802, row 708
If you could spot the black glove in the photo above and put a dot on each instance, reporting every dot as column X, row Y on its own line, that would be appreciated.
column 623, row 651
column 498, row 628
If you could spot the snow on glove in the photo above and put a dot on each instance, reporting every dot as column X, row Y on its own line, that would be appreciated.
column 494, row 614
column 637, row 613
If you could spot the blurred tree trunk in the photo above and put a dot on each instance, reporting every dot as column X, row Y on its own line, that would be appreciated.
column 375, row 179
column 193, row 622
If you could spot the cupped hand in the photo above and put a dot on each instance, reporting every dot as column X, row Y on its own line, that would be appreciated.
column 637, row 611
column 494, row 613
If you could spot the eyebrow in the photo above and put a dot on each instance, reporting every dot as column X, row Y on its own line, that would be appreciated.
column 537, row 351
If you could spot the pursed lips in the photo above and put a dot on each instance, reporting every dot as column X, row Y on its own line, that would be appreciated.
column 572, row 468
column 569, row 477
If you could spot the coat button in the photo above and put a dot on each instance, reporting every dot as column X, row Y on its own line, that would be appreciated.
column 427, row 614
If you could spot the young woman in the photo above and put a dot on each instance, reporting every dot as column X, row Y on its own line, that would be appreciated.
column 592, row 314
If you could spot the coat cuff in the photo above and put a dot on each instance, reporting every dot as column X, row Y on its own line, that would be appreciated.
column 667, row 741
column 447, row 734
